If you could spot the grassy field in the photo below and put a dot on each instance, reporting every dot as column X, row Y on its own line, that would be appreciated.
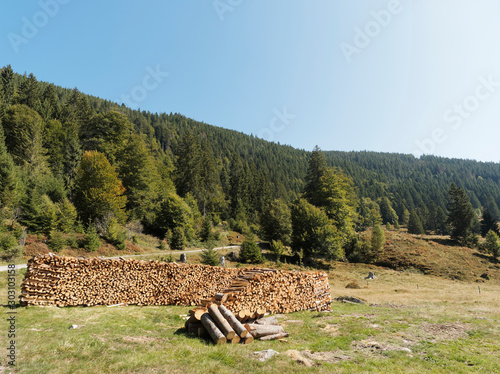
column 412, row 323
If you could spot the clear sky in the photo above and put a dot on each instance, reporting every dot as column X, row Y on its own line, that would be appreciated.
column 419, row 76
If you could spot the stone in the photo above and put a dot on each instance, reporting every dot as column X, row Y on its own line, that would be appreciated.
column 265, row 355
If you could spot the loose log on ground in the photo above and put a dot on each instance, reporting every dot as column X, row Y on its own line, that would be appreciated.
column 267, row 321
column 221, row 322
column 258, row 331
column 216, row 335
column 280, row 335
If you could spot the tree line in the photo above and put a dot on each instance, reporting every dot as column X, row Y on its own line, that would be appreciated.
column 70, row 161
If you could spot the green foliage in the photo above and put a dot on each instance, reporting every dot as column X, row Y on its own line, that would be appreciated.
column 492, row 244
column 163, row 245
column 460, row 213
column 250, row 252
column 98, row 191
column 141, row 179
column 488, row 223
column 106, row 133
column 66, row 215
column 8, row 177
column 173, row 213
column 368, row 214
column 7, row 241
column 92, row 242
column 56, row 241
column 414, row 224
column 278, row 249
column 206, row 228
column 209, row 257
column 178, row 240
column 23, row 135
column 387, row 212
column 313, row 233
column 276, row 222
column 377, row 242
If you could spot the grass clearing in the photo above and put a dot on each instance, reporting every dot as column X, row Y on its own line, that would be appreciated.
column 413, row 323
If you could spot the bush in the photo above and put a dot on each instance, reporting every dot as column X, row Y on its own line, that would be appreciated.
column 91, row 240
column 278, row 249
column 72, row 241
column 11, row 253
column 250, row 252
column 163, row 245
column 7, row 241
column 492, row 244
column 56, row 241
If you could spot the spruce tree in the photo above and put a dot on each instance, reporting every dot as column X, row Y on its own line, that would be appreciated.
column 315, row 170
column 414, row 224
column 8, row 88
column 460, row 213
column 8, row 178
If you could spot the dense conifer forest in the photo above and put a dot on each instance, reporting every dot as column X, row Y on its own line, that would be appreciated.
column 70, row 161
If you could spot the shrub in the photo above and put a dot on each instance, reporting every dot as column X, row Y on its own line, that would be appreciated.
column 7, row 241
column 277, row 248
column 491, row 244
column 56, row 241
column 209, row 257
column 250, row 252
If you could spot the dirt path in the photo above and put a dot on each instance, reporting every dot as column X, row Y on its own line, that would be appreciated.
column 23, row 266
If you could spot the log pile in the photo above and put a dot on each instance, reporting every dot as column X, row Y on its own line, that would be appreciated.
column 249, row 293
column 258, row 291
column 223, row 326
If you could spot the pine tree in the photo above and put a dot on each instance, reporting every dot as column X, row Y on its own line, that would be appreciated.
column 8, row 178
column 98, row 191
column 460, row 213
column 315, row 170
column 29, row 92
column 188, row 167
column 8, row 87
column 387, row 211
column 488, row 223
column 414, row 224
column 250, row 252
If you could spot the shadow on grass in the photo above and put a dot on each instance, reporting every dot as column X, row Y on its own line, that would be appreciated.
column 448, row 242
column 191, row 335
column 487, row 257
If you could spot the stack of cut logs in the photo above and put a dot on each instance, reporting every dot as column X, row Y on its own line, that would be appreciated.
column 66, row 281
column 223, row 326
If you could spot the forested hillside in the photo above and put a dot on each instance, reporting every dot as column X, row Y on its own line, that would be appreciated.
column 70, row 161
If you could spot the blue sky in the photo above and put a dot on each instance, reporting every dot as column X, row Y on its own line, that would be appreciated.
column 419, row 76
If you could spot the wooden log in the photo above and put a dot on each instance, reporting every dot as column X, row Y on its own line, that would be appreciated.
column 216, row 335
column 197, row 313
column 258, row 331
column 233, row 321
column 202, row 332
column 248, row 339
column 236, row 339
column 221, row 322
column 280, row 335
column 267, row 321
column 193, row 327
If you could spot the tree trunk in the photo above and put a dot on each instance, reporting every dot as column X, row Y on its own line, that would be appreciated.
column 216, row 335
